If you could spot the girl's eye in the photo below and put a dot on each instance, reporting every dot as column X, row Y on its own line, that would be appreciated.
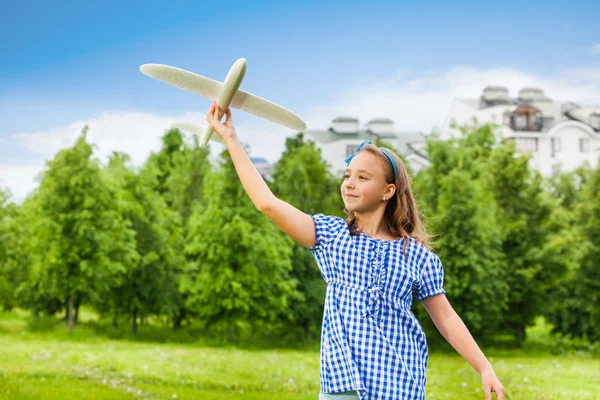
column 362, row 177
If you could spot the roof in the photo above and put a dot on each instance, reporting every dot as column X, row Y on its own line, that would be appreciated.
column 584, row 114
column 492, row 87
column 345, row 119
column 381, row 121
column 330, row 135
column 552, row 111
column 258, row 160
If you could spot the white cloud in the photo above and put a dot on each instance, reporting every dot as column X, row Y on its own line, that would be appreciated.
column 134, row 133
column 416, row 101
column 19, row 178
column 595, row 49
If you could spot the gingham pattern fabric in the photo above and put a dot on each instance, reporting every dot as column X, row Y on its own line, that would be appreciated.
column 371, row 341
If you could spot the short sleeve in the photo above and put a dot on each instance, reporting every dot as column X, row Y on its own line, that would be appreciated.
column 327, row 228
column 431, row 279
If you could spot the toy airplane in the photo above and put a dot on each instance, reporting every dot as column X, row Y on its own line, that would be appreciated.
column 226, row 94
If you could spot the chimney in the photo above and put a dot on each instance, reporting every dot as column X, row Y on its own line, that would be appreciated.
column 381, row 126
column 345, row 125
column 495, row 95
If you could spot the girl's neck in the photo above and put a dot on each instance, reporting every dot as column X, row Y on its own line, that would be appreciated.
column 372, row 225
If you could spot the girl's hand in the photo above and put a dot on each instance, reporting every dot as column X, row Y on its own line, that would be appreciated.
column 226, row 131
column 491, row 384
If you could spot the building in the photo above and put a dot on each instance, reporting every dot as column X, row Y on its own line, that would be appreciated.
column 552, row 132
column 345, row 134
column 265, row 169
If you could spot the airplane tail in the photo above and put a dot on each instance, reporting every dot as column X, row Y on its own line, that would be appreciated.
column 199, row 130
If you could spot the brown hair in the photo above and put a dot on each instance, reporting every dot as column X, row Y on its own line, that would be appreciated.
column 401, row 214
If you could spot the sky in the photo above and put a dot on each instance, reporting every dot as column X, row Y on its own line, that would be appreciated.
column 68, row 64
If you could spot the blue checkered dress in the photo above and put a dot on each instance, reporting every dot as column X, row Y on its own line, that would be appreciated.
column 371, row 341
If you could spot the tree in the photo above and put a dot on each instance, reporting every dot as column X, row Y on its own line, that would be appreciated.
column 239, row 274
column 181, row 169
column 301, row 178
column 470, row 247
column 185, row 188
column 9, row 272
column 566, row 186
column 165, row 160
column 147, row 285
column 577, row 313
column 81, row 239
column 524, row 213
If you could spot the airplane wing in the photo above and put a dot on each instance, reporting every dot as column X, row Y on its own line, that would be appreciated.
column 210, row 88
column 197, row 129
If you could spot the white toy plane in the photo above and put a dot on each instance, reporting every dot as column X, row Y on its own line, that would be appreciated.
column 226, row 94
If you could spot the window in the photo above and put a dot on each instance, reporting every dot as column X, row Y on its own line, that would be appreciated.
column 527, row 145
column 349, row 149
column 584, row 145
column 555, row 146
column 527, row 118
column 520, row 122
column 595, row 121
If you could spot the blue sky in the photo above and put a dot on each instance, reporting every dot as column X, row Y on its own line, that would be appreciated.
column 69, row 62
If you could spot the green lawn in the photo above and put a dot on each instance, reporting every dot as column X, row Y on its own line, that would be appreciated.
column 52, row 366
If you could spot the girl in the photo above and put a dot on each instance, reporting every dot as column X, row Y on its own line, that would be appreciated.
column 374, row 262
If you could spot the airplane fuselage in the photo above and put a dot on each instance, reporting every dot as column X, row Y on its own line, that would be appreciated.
column 232, row 82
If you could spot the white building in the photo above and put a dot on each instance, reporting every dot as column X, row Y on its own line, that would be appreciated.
column 345, row 133
column 265, row 169
column 552, row 132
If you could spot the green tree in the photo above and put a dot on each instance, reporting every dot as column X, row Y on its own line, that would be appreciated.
column 185, row 188
column 566, row 185
column 577, row 313
column 8, row 237
column 22, row 248
column 181, row 169
column 524, row 213
column 301, row 178
column 147, row 285
column 470, row 247
column 82, row 240
column 165, row 160
column 239, row 276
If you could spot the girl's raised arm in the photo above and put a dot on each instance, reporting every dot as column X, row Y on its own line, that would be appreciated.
column 298, row 225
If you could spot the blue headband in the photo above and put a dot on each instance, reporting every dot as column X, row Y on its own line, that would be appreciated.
column 360, row 147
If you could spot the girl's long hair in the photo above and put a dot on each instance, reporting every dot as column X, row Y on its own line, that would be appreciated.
column 401, row 214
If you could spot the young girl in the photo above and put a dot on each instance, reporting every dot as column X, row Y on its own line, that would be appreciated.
column 374, row 263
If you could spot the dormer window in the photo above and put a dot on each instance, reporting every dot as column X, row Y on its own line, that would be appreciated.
column 595, row 121
column 520, row 122
column 526, row 118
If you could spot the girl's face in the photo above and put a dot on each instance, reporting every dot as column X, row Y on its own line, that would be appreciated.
column 364, row 184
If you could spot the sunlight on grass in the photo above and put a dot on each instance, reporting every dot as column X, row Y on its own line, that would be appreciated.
column 47, row 365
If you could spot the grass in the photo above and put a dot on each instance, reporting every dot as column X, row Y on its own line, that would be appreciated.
column 53, row 364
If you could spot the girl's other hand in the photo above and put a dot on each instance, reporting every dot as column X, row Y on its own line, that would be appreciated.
column 226, row 131
column 491, row 384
